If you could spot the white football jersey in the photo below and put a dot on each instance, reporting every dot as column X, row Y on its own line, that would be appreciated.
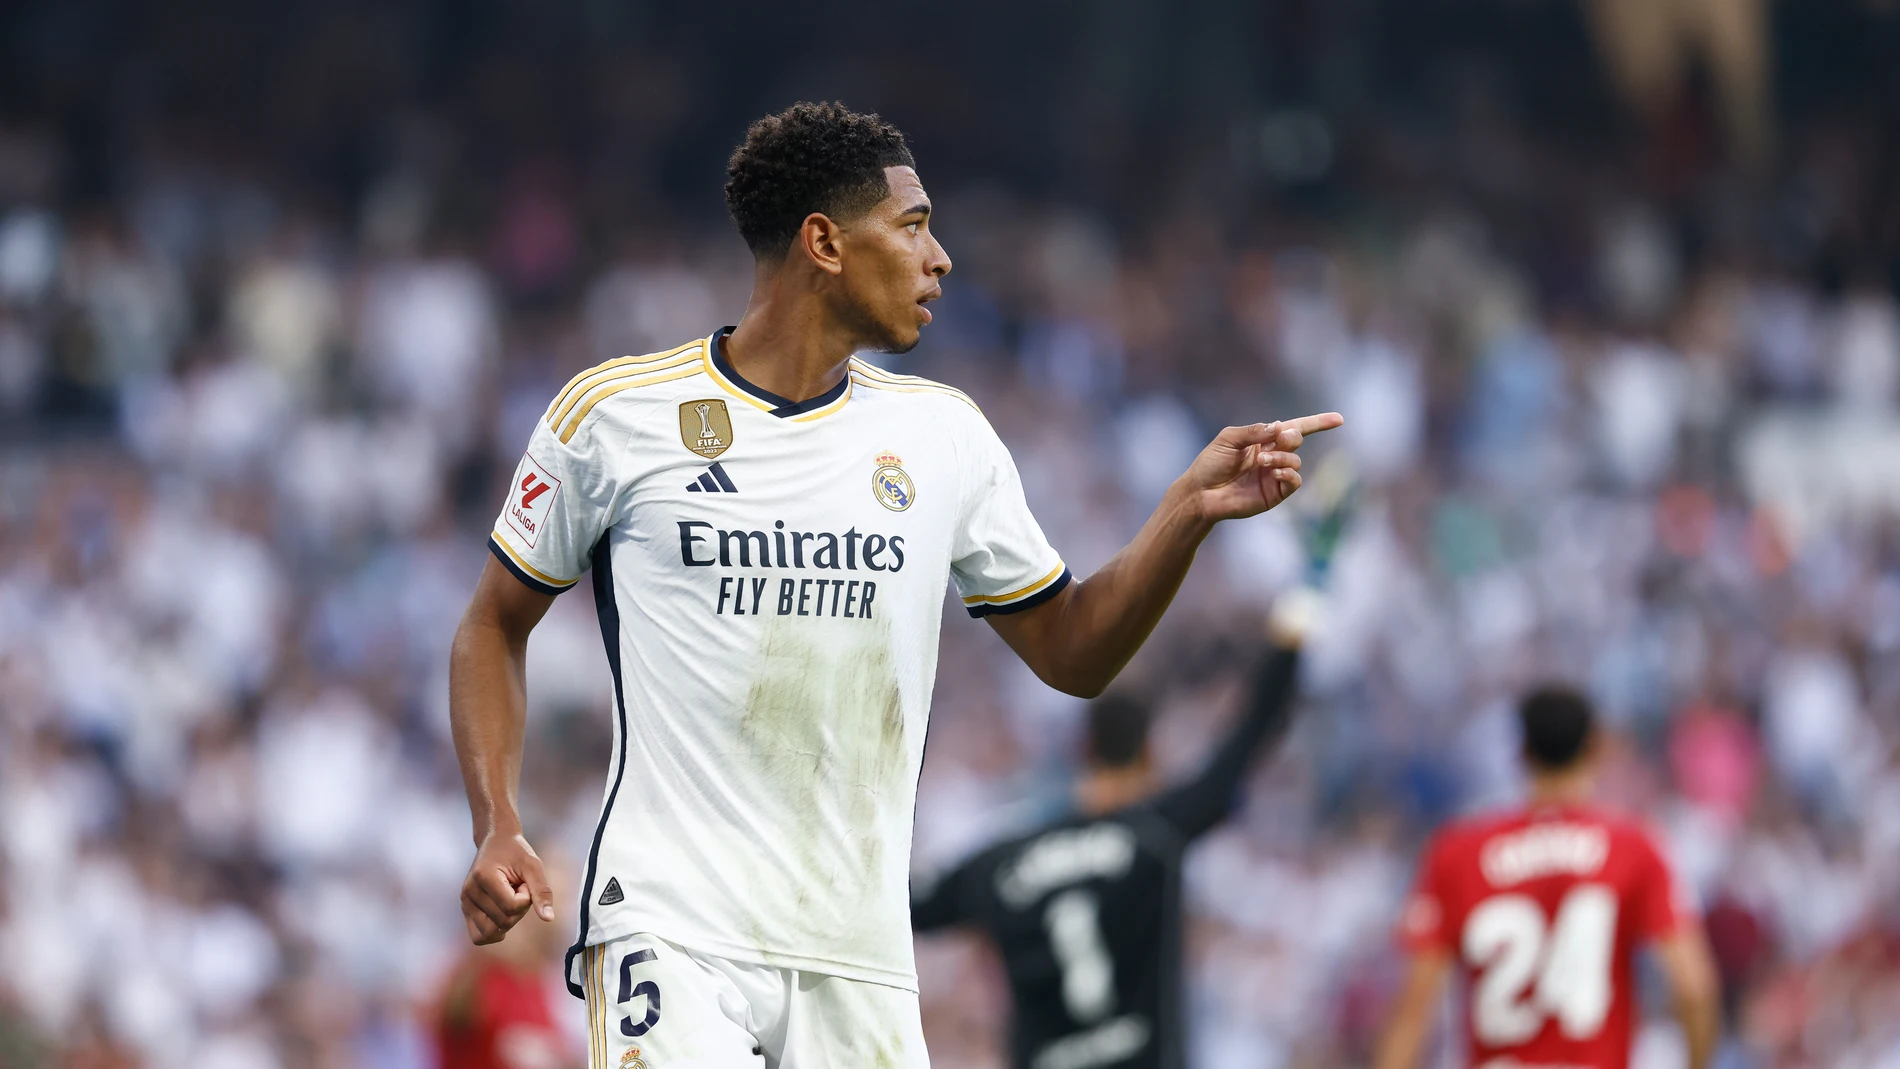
column 770, row 582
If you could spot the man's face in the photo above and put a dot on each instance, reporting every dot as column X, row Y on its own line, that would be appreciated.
column 893, row 266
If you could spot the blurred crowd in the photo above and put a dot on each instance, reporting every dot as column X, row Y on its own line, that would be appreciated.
column 1626, row 423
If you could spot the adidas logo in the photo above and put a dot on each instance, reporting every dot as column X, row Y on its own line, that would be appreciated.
column 612, row 894
column 713, row 481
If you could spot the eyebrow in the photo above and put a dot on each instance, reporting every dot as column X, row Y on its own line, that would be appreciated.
column 915, row 209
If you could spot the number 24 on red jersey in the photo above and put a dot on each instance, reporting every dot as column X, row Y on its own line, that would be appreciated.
column 1543, row 911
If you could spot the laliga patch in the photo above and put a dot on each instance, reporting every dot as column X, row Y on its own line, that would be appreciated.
column 531, row 499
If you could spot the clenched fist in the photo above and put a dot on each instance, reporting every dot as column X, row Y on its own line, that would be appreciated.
column 505, row 881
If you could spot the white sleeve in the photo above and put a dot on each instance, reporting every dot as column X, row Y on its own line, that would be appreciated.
column 1000, row 560
column 560, row 502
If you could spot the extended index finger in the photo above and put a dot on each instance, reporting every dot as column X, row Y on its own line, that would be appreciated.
column 1313, row 424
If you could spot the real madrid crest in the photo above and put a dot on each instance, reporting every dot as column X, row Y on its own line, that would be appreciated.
column 891, row 485
column 706, row 427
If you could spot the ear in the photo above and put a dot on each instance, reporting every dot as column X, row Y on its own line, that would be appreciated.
column 821, row 241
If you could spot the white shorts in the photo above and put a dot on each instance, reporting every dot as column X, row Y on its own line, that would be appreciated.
column 652, row 1004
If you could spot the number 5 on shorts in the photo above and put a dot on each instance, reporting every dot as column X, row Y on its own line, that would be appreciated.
column 628, row 989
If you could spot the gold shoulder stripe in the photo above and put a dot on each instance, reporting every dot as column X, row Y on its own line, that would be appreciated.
column 922, row 387
column 912, row 387
column 1019, row 594
column 895, row 379
column 623, row 361
column 597, row 395
column 593, row 380
column 882, row 373
column 557, row 417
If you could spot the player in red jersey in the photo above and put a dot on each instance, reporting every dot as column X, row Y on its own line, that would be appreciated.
column 1542, row 910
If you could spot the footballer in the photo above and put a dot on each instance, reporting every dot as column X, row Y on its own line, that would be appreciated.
column 769, row 522
column 1541, row 910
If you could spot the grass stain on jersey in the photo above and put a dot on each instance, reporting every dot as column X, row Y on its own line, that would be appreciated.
column 825, row 731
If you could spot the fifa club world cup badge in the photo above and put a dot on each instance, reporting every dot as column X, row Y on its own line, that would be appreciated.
column 890, row 485
column 706, row 427
column 632, row 1059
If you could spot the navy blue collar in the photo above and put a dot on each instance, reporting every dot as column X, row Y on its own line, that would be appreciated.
column 781, row 407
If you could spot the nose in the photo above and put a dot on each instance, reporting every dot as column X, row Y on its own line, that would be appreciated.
column 938, row 263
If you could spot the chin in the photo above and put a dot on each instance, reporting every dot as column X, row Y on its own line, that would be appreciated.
column 897, row 343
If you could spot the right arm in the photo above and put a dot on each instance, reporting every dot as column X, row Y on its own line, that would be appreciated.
column 1690, row 969
column 561, row 499
column 1079, row 639
column 1411, row 1022
column 488, row 701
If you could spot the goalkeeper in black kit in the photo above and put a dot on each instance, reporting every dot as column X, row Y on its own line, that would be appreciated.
column 1087, row 913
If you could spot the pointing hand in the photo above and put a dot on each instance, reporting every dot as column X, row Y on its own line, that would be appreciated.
column 1247, row 470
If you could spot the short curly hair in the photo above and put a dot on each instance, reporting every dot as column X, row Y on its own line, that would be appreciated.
column 808, row 158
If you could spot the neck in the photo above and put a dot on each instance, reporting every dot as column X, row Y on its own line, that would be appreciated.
column 789, row 341
column 1104, row 790
column 1569, row 787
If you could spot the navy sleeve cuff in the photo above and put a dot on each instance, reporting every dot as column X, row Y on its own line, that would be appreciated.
column 1029, row 602
column 508, row 561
